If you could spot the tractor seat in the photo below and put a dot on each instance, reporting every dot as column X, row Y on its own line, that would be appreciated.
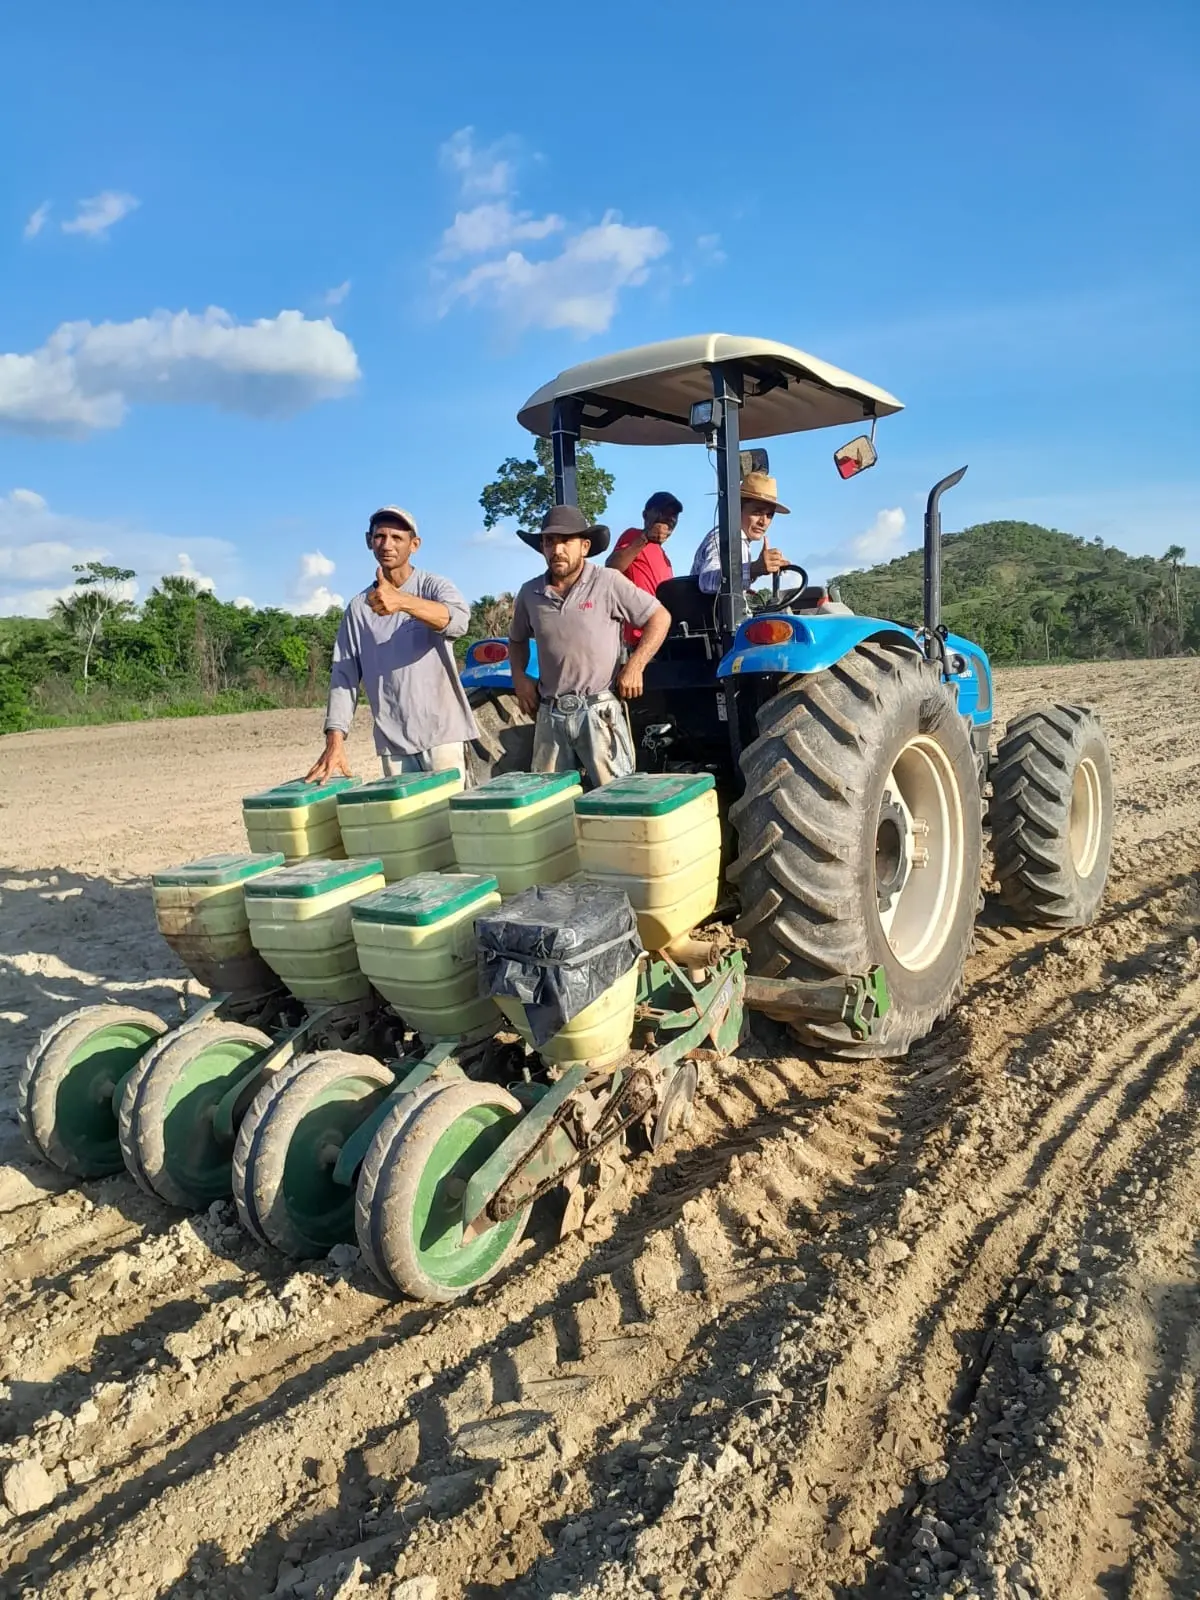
column 692, row 611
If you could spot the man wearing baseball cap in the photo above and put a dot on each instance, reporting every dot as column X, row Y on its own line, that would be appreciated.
column 395, row 640
column 639, row 552
column 575, row 612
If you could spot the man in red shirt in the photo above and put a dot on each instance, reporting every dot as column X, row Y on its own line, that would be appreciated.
column 639, row 552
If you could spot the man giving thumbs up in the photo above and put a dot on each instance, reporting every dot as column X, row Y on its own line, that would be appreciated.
column 395, row 640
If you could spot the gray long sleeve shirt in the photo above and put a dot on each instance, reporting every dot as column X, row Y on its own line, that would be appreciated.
column 407, row 669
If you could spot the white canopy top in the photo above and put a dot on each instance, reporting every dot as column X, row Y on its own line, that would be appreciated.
column 787, row 391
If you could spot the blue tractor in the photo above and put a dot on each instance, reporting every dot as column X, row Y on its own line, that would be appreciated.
column 853, row 753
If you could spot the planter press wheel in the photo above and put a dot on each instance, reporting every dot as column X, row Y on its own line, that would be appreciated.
column 166, row 1116
column 675, row 1112
column 375, row 1164
column 424, row 1161
column 65, row 1091
column 289, row 1143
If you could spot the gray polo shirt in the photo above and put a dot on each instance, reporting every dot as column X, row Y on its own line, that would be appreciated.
column 579, row 634
column 407, row 669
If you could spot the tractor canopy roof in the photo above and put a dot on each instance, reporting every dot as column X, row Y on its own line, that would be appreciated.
column 643, row 396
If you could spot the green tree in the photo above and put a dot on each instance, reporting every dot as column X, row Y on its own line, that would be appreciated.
column 523, row 491
column 1047, row 613
column 96, row 601
column 1173, row 555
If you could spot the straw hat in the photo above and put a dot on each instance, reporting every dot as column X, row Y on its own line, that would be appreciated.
column 761, row 486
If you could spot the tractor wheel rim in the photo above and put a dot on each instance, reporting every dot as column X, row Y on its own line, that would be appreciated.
column 1084, row 818
column 920, row 918
column 319, row 1209
column 85, row 1119
column 200, row 1164
column 446, row 1257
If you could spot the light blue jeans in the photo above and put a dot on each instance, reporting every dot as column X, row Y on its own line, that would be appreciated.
column 588, row 732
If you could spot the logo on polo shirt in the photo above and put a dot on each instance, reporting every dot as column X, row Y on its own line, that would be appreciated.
column 585, row 605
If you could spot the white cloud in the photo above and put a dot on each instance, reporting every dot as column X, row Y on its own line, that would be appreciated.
column 577, row 289
column 100, row 212
column 493, row 226
column 186, row 568
column 883, row 539
column 307, row 595
column 479, row 172
column 334, row 297
column 39, row 547
column 37, row 221
column 709, row 246
column 87, row 375
column 243, row 602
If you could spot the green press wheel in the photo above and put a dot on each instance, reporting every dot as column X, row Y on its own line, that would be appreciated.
column 425, row 1161
column 65, row 1091
column 375, row 1164
column 166, row 1114
column 288, row 1146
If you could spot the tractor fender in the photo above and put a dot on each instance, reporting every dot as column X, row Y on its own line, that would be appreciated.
column 479, row 674
column 818, row 643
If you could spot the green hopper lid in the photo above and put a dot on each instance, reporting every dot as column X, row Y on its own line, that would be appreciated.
column 401, row 787
column 645, row 794
column 297, row 793
column 315, row 876
column 229, row 866
column 514, row 789
column 425, row 897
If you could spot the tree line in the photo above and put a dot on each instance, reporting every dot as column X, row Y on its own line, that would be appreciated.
column 1024, row 592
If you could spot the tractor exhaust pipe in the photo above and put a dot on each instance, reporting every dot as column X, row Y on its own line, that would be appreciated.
column 934, row 635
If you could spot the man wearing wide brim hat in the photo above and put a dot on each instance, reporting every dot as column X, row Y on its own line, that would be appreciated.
column 760, row 503
column 396, row 642
column 575, row 611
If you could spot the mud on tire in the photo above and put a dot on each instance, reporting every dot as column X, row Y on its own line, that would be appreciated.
column 1052, row 815
column 857, row 771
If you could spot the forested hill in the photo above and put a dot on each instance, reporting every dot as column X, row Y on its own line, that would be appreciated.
column 1028, row 593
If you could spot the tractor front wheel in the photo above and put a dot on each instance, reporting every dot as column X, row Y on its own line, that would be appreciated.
column 860, row 839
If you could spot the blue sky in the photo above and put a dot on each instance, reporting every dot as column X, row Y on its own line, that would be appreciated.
column 265, row 267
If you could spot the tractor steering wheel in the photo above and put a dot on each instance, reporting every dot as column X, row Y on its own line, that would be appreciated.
column 783, row 600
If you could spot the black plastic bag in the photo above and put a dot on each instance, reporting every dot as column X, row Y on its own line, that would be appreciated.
column 556, row 948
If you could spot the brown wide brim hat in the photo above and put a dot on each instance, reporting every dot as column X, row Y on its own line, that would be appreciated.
column 568, row 522
column 762, row 486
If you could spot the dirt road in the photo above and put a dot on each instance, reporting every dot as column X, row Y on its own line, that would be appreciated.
column 929, row 1329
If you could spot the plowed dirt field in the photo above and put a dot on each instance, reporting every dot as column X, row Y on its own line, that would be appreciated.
column 927, row 1328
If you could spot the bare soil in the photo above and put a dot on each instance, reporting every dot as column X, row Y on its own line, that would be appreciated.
column 927, row 1328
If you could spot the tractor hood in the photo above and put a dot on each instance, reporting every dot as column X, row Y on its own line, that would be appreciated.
column 643, row 396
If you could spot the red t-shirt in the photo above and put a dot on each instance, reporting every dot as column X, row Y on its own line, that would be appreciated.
column 650, row 567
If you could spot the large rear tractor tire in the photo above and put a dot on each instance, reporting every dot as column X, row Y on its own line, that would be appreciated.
column 1052, row 815
column 861, row 837
column 505, row 742
column 66, row 1088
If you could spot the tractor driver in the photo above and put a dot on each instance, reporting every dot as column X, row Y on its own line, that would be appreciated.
column 395, row 641
column 575, row 612
column 760, row 503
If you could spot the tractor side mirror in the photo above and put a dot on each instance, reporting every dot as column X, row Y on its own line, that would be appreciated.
column 855, row 457
column 754, row 461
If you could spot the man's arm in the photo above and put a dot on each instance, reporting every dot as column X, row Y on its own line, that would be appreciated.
column 385, row 600
column 627, row 552
column 344, row 678
column 709, row 575
column 654, row 631
column 524, row 687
